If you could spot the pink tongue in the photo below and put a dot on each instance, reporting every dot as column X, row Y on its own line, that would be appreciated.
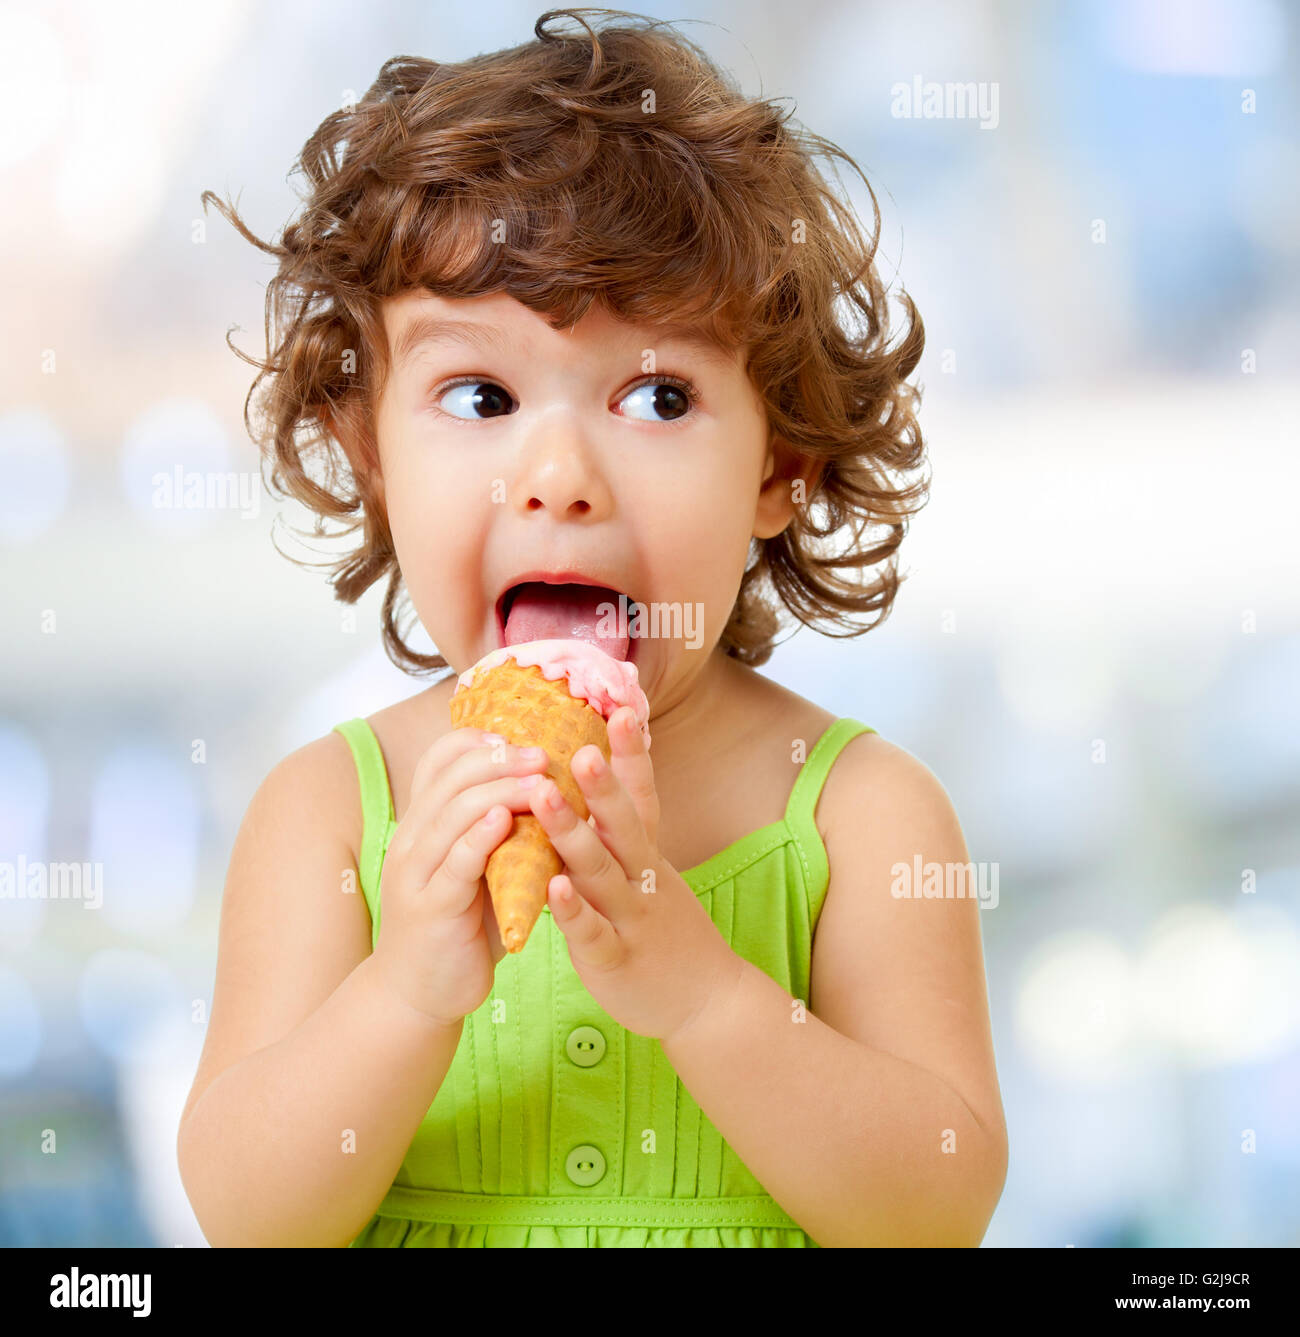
column 542, row 612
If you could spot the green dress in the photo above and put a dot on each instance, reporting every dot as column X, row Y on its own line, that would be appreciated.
column 557, row 1128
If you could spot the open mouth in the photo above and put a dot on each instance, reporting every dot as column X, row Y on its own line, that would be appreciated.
column 537, row 610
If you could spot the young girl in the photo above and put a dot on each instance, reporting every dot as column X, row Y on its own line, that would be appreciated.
column 580, row 314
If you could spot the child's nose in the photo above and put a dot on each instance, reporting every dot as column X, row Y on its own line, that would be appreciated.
column 560, row 474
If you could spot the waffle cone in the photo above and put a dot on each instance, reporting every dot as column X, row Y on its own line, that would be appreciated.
column 528, row 710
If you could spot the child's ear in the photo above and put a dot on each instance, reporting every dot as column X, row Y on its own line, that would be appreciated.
column 789, row 480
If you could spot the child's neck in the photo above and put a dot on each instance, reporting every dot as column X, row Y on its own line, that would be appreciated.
column 689, row 720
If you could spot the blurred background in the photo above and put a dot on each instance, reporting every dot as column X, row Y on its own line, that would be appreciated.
column 1097, row 649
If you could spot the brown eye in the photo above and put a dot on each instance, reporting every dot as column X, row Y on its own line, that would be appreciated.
column 667, row 397
column 475, row 401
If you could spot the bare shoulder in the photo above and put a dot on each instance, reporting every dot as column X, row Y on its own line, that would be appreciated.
column 312, row 793
column 322, row 776
column 289, row 931
column 901, row 969
column 871, row 773
column 782, row 717
column 880, row 807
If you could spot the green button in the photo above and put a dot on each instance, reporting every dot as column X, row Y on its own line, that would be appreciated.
column 585, row 1166
column 585, row 1046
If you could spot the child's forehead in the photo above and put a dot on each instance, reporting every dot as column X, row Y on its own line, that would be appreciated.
column 417, row 319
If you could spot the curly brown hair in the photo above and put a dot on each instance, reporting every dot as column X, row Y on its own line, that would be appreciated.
column 614, row 165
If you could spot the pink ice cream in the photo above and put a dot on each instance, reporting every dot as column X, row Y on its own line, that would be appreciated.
column 604, row 682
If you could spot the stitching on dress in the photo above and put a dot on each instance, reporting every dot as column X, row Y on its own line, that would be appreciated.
column 780, row 837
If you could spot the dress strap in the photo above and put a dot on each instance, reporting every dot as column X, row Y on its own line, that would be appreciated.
column 376, row 800
column 800, row 810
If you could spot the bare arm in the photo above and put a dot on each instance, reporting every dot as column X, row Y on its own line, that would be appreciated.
column 872, row 1112
column 314, row 1077
column 296, row 1145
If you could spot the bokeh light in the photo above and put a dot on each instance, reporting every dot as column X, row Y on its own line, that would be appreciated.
column 121, row 996
column 144, row 831
column 1215, row 990
column 20, row 1025
column 1075, row 1011
column 24, row 821
column 34, row 466
column 32, row 75
column 1205, row 37
column 176, row 467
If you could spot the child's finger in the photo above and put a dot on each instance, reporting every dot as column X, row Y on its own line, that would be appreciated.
column 630, row 761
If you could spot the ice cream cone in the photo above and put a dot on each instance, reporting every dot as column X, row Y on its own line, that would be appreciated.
column 528, row 710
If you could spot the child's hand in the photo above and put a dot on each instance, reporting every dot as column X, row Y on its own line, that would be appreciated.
column 638, row 937
column 438, row 942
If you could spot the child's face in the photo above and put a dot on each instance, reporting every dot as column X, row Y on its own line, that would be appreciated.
column 571, row 464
